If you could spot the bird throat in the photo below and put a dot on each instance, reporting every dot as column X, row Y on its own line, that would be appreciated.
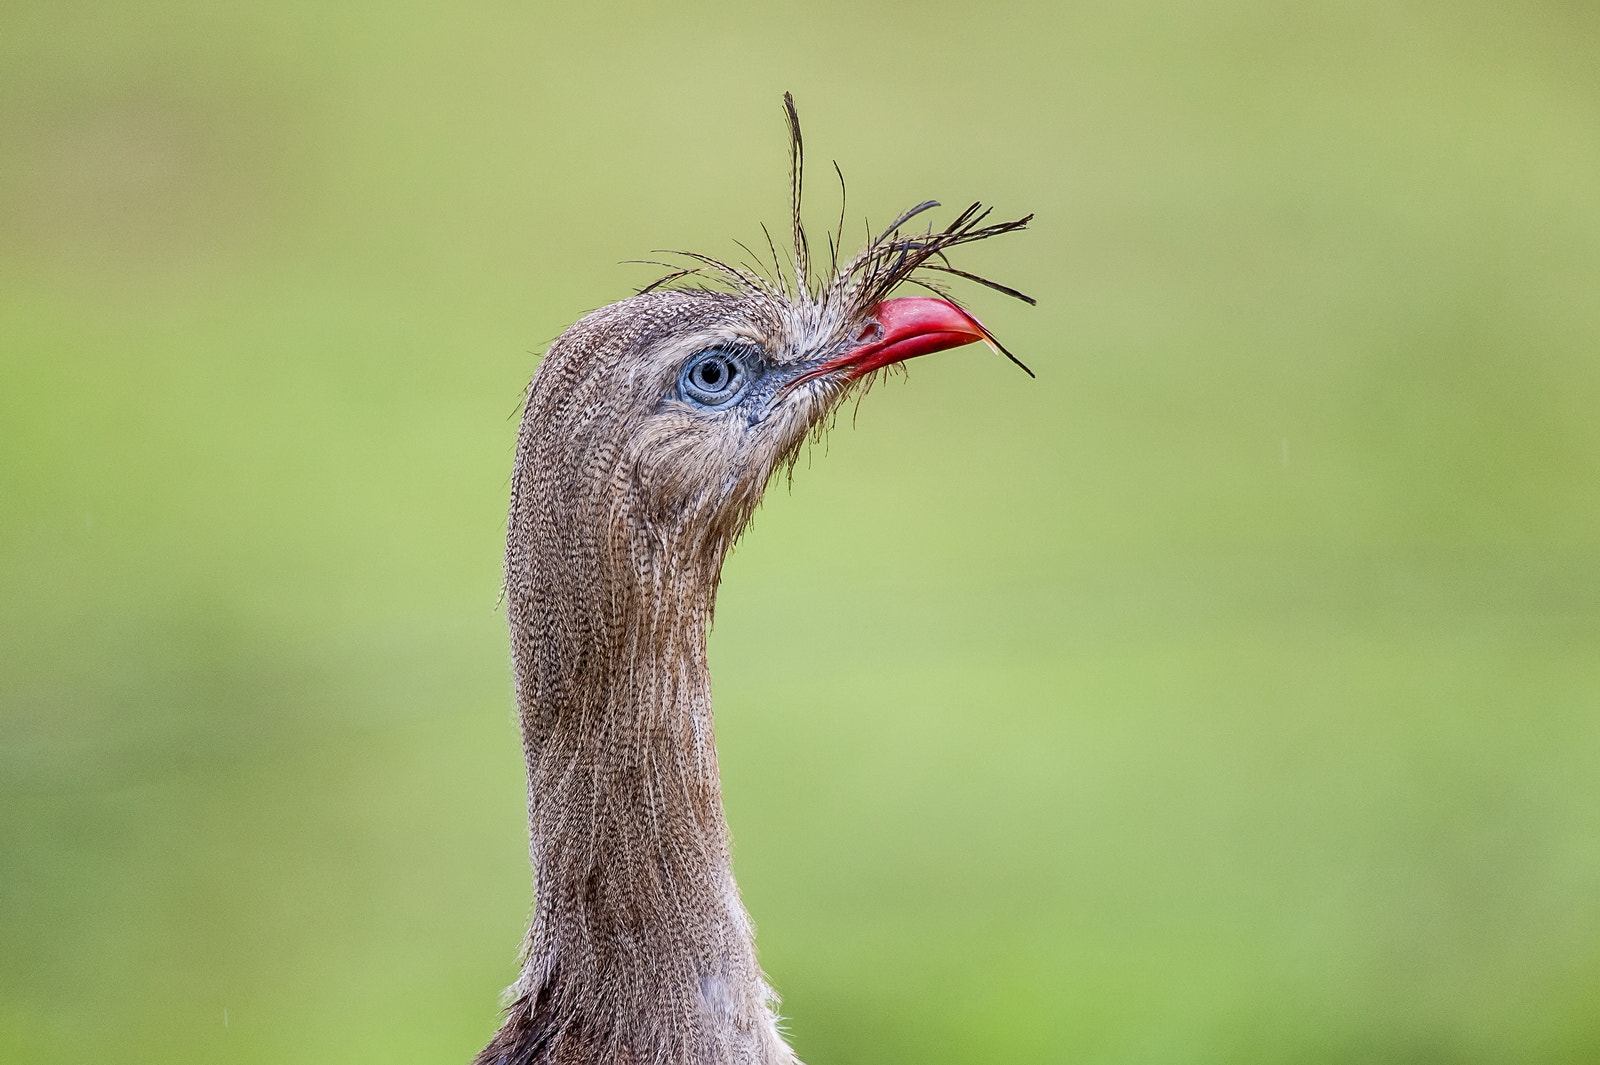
column 640, row 949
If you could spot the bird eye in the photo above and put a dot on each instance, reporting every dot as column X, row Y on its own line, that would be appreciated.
column 713, row 378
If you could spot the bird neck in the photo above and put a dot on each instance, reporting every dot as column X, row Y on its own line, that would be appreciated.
column 639, row 949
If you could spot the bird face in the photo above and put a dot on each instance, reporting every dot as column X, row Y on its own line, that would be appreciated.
column 737, row 402
column 681, row 404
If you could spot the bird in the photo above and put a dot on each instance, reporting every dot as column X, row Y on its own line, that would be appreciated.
column 649, row 432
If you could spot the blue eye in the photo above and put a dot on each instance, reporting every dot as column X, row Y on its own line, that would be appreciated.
column 713, row 378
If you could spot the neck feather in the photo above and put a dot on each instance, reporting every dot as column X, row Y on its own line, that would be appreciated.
column 639, row 950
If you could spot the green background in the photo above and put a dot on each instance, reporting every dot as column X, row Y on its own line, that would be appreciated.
column 1231, row 693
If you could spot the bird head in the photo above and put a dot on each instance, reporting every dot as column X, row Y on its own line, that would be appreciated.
column 653, row 425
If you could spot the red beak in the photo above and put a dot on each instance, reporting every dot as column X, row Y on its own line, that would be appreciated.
column 904, row 328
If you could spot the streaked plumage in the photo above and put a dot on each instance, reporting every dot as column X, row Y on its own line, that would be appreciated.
column 651, row 429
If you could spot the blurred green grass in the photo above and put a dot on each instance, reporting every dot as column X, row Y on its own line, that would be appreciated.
column 1230, row 693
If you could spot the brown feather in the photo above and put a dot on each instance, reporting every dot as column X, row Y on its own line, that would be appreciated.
column 625, row 501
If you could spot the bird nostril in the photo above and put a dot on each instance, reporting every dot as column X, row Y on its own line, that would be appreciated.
column 870, row 333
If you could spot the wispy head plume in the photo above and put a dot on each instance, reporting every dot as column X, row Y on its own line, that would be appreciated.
column 892, row 258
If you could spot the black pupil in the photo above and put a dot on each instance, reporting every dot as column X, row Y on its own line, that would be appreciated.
column 711, row 373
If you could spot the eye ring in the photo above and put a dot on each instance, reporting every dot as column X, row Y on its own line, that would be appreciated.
column 713, row 378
